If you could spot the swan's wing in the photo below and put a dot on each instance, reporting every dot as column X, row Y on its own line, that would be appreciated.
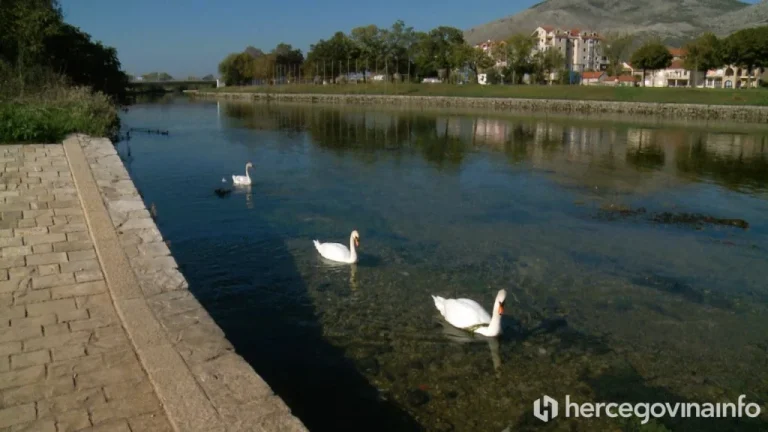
column 464, row 313
column 333, row 251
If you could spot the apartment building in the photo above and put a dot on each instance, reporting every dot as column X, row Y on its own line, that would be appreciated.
column 581, row 48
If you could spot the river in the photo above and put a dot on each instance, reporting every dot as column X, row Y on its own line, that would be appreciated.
column 617, row 291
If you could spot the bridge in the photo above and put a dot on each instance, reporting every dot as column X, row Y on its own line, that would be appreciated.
column 168, row 86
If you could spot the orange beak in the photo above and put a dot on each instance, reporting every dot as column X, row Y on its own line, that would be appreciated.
column 501, row 309
column 357, row 242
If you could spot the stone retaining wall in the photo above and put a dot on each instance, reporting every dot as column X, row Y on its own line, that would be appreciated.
column 203, row 384
column 741, row 113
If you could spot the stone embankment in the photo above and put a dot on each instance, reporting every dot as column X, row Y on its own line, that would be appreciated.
column 740, row 113
column 98, row 330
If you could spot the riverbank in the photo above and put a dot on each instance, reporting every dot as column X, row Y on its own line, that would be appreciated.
column 100, row 328
column 690, row 111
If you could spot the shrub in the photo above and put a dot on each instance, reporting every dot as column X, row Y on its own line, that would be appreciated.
column 51, row 114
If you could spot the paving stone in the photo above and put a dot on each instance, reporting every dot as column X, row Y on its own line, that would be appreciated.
column 73, row 338
column 36, row 391
column 34, row 321
column 10, row 241
column 42, row 425
column 44, row 238
column 155, row 422
column 83, row 399
column 8, row 348
column 68, row 228
column 73, row 315
column 117, row 425
column 17, row 261
column 53, row 280
column 22, row 377
column 76, row 366
column 17, row 415
column 51, row 307
column 78, row 266
column 48, row 269
column 31, row 296
column 72, row 246
column 42, row 248
column 15, row 251
column 13, row 334
column 82, row 255
column 32, row 358
column 67, row 353
column 81, row 289
column 88, row 275
column 73, row 421
column 56, row 329
column 122, row 408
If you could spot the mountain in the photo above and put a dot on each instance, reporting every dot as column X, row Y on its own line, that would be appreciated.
column 673, row 21
column 751, row 16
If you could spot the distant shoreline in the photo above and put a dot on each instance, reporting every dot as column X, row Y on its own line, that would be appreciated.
column 736, row 113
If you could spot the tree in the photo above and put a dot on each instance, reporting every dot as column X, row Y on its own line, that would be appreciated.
column 616, row 48
column 436, row 50
column 747, row 48
column 652, row 55
column 157, row 76
column 327, row 55
column 253, row 52
column 209, row 77
column 519, row 56
column 548, row 61
column 369, row 43
column 238, row 68
column 704, row 53
column 475, row 58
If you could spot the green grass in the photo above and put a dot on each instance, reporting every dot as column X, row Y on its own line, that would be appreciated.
column 49, row 116
column 758, row 97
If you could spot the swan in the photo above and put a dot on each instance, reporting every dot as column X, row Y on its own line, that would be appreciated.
column 467, row 315
column 243, row 180
column 337, row 251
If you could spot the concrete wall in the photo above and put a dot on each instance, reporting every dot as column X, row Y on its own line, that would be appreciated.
column 742, row 113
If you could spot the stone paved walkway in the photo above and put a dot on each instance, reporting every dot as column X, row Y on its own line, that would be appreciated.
column 97, row 328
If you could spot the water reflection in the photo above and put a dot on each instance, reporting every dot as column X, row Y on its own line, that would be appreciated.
column 731, row 159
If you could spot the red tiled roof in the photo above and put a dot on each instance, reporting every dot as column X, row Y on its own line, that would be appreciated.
column 677, row 52
column 627, row 78
column 548, row 28
column 592, row 75
column 677, row 64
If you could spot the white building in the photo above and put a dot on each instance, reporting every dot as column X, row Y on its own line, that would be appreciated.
column 581, row 49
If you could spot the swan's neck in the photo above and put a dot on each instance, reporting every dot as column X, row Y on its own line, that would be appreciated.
column 352, row 251
column 246, row 172
column 494, row 328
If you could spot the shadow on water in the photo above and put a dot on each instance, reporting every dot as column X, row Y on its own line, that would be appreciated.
column 266, row 313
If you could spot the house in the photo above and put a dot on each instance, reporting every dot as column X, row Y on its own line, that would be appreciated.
column 592, row 78
column 731, row 76
column 674, row 75
column 581, row 49
column 621, row 81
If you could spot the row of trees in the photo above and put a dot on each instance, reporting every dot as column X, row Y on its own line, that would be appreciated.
column 443, row 52
column 395, row 51
column 163, row 76
column 37, row 46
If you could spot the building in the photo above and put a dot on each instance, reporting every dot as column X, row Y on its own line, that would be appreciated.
column 674, row 75
column 731, row 76
column 592, row 78
column 581, row 49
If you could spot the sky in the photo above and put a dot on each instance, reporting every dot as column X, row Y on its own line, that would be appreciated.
column 191, row 37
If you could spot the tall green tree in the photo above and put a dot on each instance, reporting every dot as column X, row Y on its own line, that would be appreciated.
column 703, row 53
column 547, row 62
column 518, row 52
column 238, row 68
column 652, row 55
column 475, row 59
column 616, row 48
column 436, row 50
column 370, row 45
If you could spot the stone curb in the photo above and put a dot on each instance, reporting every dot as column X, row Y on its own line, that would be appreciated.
column 191, row 401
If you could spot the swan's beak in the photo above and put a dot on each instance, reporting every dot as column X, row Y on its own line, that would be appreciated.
column 501, row 308
column 357, row 243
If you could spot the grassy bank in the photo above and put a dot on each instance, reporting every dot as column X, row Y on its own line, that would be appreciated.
column 757, row 97
column 49, row 116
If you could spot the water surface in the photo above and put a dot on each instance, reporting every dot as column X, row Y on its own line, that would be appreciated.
column 602, row 305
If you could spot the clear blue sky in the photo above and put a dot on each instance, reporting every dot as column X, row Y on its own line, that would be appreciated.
column 190, row 37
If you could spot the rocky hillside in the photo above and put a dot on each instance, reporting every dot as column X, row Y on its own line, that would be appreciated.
column 751, row 16
column 673, row 21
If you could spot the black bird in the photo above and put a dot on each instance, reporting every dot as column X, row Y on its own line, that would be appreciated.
column 222, row 192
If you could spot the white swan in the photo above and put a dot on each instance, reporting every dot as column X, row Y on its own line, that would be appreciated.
column 467, row 315
column 337, row 251
column 243, row 180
